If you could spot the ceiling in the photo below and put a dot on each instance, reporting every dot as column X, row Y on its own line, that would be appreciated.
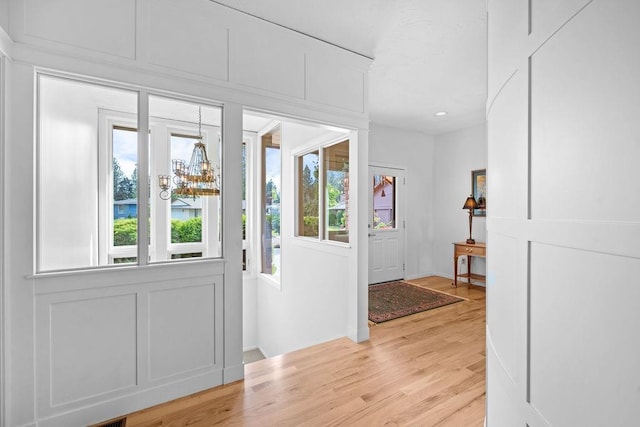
column 429, row 55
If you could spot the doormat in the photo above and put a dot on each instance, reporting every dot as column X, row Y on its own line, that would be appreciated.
column 391, row 300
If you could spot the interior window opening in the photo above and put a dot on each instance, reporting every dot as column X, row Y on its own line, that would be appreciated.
column 271, row 192
column 88, row 145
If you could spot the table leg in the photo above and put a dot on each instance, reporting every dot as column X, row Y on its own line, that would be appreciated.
column 469, row 269
column 455, row 271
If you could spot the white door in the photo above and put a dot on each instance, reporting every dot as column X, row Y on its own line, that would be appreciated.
column 386, row 224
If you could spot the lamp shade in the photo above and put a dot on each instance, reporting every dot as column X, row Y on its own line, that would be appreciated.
column 470, row 203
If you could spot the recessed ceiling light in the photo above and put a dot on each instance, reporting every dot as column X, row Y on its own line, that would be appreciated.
column 441, row 113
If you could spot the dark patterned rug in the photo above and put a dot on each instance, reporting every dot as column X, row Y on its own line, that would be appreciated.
column 391, row 300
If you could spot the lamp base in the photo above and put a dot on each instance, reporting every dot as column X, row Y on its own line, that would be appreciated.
column 471, row 241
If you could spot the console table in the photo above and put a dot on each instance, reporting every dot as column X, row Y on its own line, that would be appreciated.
column 478, row 249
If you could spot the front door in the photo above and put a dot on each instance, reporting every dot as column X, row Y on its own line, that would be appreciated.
column 386, row 224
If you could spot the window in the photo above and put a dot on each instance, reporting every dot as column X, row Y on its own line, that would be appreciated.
column 183, row 226
column 308, row 200
column 336, row 169
column 75, row 184
column 384, row 202
column 88, row 172
column 334, row 173
column 124, row 175
column 244, row 206
column 271, row 172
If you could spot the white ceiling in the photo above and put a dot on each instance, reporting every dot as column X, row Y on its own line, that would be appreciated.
column 429, row 55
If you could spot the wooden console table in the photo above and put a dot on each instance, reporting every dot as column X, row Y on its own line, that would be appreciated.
column 478, row 249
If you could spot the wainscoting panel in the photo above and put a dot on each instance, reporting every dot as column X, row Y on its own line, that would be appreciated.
column 108, row 350
column 182, row 329
column 584, row 331
column 102, row 26
column 346, row 87
column 507, row 151
column 562, row 183
column 267, row 58
column 188, row 38
column 508, row 299
column 93, row 347
column 504, row 44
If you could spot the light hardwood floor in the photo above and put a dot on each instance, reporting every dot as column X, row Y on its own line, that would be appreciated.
column 427, row 369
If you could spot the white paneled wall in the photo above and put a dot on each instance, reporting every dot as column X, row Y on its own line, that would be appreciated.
column 88, row 346
column 109, row 341
column 562, row 346
column 200, row 40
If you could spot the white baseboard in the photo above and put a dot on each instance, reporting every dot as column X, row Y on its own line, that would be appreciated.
column 106, row 410
column 233, row 373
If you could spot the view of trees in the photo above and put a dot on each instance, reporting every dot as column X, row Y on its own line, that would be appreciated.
column 310, row 196
column 335, row 189
column 273, row 201
column 310, row 187
column 124, row 187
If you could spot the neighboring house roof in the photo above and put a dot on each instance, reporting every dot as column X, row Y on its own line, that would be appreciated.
column 339, row 206
column 383, row 183
column 187, row 203
column 126, row 202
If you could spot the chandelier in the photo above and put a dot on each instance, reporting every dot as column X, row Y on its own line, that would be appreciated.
column 197, row 178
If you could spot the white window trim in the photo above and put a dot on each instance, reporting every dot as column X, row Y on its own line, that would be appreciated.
column 249, row 244
column 274, row 281
column 160, row 247
column 319, row 146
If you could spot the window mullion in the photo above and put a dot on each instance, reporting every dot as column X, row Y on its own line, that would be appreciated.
column 321, row 195
column 143, row 178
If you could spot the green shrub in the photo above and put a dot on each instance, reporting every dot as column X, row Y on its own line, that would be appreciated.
column 125, row 231
column 186, row 231
column 310, row 225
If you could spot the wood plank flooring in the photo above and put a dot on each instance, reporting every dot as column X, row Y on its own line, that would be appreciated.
column 427, row 369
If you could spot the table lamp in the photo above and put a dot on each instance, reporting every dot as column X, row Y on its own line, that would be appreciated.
column 470, row 204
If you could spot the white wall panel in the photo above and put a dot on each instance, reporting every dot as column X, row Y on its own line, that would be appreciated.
column 188, row 36
column 508, row 301
column 93, row 347
column 584, row 337
column 500, row 389
column 102, row 26
column 181, row 330
column 334, row 83
column 573, row 177
column 267, row 58
column 507, row 20
column 507, row 175
column 312, row 305
column 576, row 250
column 549, row 15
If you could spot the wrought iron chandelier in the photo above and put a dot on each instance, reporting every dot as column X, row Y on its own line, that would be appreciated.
column 197, row 178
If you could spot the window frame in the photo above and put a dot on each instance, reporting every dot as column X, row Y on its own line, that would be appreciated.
column 322, row 192
column 106, row 252
column 273, row 127
column 161, row 130
column 298, row 171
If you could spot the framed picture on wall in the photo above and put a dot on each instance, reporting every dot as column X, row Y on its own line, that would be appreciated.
column 479, row 190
